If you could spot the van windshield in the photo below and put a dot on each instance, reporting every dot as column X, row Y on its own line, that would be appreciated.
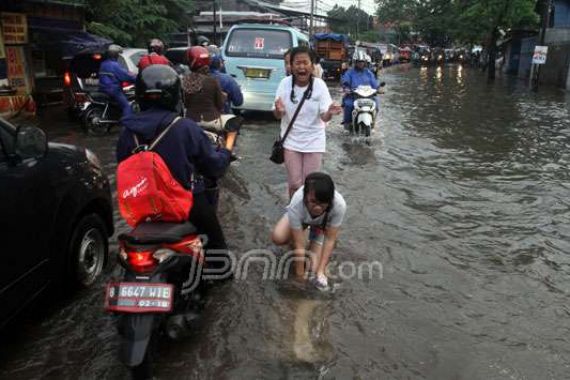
column 258, row 43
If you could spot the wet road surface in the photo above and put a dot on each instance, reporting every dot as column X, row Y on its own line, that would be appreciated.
column 460, row 208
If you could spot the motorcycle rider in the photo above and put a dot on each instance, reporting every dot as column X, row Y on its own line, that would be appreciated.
column 155, row 55
column 185, row 149
column 359, row 75
column 228, row 84
column 111, row 75
column 203, row 96
column 202, row 41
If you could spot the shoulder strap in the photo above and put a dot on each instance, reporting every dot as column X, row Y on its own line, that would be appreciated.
column 157, row 140
column 294, row 118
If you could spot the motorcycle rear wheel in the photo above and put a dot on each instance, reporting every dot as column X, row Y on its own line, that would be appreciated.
column 92, row 123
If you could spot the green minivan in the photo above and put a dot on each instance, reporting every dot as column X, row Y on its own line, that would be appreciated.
column 253, row 55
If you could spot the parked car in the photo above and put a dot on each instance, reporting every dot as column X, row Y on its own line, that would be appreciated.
column 56, row 217
column 82, row 75
column 253, row 55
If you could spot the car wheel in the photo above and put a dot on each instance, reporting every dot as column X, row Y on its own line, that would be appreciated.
column 88, row 250
column 92, row 122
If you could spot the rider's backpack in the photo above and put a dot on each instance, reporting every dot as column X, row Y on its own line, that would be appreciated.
column 147, row 191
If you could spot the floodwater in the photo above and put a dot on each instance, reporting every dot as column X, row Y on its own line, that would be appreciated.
column 453, row 260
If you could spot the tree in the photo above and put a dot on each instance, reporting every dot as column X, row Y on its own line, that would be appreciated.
column 443, row 22
column 351, row 21
column 134, row 22
column 490, row 17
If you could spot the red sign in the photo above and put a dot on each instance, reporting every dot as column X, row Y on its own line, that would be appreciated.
column 259, row 42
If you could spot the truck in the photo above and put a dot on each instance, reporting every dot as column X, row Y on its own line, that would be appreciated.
column 332, row 49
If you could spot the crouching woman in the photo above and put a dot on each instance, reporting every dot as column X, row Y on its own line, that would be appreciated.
column 316, row 206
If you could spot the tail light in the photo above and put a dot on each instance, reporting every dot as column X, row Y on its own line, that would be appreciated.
column 80, row 97
column 125, row 84
column 67, row 79
column 142, row 261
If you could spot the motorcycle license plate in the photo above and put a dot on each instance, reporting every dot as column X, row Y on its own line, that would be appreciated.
column 137, row 297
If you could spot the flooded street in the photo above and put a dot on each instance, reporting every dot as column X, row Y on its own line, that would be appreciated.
column 453, row 260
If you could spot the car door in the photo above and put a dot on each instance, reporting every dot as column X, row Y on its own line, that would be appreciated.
column 24, row 243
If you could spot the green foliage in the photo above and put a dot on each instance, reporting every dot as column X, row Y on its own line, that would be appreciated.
column 352, row 21
column 442, row 22
column 134, row 22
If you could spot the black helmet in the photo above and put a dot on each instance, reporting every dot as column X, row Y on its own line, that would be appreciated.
column 202, row 41
column 155, row 46
column 158, row 85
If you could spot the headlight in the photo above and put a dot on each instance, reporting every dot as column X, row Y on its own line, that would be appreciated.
column 93, row 159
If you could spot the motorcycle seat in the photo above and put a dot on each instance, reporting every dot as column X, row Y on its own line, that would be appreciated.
column 158, row 233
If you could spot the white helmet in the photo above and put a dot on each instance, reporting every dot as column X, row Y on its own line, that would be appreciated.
column 359, row 55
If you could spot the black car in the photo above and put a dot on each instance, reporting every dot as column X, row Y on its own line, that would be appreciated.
column 55, row 217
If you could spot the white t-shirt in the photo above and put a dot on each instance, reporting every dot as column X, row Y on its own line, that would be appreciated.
column 308, row 132
column 298, row 214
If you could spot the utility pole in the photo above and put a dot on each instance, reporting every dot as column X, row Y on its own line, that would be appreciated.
column 546, row 7
column 358, row 20
column 214, row 23
column 311, row 20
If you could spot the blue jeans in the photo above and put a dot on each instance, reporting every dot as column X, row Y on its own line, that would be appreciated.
column 119, row 96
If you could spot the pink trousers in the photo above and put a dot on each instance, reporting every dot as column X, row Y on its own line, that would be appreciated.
column 299, row 165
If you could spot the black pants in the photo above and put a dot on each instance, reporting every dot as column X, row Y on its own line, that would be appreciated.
column 203, row 216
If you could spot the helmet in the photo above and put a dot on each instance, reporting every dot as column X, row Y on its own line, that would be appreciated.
column 359, row 55
column 202, row 41
column 113, row 51
column 158, row 85
column 197, row 56
column 156, row 46
column 215, row 56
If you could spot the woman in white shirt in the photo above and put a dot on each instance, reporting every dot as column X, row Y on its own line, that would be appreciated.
column 306, row 142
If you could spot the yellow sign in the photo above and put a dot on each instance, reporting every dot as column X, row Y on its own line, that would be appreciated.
column 15, row 28
column 17, row 69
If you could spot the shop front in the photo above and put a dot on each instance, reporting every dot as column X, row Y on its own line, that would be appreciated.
column 16, row 77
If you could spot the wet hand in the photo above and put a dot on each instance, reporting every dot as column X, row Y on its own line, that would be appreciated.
column 280, row 106
column 335, row 109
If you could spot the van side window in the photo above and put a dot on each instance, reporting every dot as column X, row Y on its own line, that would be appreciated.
column 303, row 43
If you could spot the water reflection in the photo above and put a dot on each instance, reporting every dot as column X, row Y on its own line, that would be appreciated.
column 439, row 72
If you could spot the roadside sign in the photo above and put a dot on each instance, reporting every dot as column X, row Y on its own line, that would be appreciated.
column 539, row 56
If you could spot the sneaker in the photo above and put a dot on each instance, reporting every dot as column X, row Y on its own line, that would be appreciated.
column 321, row 283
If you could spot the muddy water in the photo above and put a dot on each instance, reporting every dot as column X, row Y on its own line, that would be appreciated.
column 453, row 261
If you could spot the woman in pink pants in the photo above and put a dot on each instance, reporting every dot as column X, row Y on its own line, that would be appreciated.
column 306, row 142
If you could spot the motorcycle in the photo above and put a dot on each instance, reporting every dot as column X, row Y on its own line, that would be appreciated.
column 161, row 290
column 365, row 110
column 100, row 112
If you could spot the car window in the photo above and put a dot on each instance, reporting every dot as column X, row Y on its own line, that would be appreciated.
column 86, row 66
column 122, row 62
column 258, row 43
column 136, row 57
column 176, row 56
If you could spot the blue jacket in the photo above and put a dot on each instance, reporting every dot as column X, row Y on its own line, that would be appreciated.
column 354, row 78
column 111, row 74
column 185, row 148
column 230, row 87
